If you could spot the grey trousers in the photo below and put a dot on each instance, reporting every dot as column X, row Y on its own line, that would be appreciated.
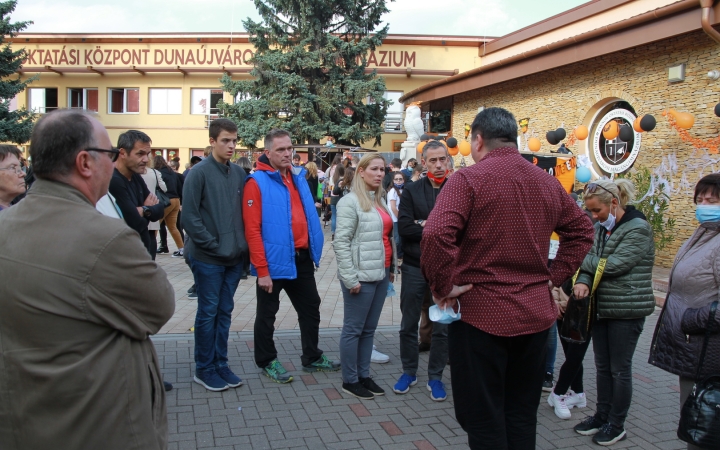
column 362, row 313
column 412, row 292
column 686, row 385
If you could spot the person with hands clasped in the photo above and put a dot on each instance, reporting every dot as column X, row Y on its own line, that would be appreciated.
column 364, row 249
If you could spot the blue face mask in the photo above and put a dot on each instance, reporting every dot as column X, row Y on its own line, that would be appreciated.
column 707, row 213
column 446, row 315
column 399, row 186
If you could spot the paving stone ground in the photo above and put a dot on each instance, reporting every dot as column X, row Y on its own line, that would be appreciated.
column 313, row 413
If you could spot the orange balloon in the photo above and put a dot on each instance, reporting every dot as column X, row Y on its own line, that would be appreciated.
column 534, row 144
column 453, row 150
column 581, row 132
column 685, row 120
column 673, row 113
column 611, row 130
column 636, row 124
column 420, row 146
column 464, row 148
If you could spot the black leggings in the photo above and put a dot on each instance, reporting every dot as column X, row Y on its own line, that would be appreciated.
column 571, row 372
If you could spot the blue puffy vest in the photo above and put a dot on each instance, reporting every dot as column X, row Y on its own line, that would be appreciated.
column 277, row 232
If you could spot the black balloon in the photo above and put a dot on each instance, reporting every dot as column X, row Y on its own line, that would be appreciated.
column 626, row 133
column 551, row 137
column 560, row 134
column 648, row 122
column 424, row 137
column 717, row 110
column 452, row 142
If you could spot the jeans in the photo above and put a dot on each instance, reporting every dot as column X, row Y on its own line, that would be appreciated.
column 398, row 241
column 571, row 372
column 216, row 286
column 496, row 384
column 304, row 297
column 551, row 350
column 614, row 342
column 426, row 325
column 362, row 313
column 333, row 217
column 412, row 293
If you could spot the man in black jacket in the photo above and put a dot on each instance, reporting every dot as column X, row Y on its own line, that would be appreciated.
column 417, row 200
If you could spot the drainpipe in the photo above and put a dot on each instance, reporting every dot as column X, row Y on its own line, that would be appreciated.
column 707, row 10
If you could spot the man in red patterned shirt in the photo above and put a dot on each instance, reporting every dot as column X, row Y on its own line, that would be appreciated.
column 486, row 244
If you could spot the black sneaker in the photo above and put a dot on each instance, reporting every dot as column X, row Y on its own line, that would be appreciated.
column 178, row 253
column 548, row 382
column 191, row 290
column 193, row 295
column 589, row 426
column 162, row 249
column 371, row 386
column 357, row 390
column 609, row 434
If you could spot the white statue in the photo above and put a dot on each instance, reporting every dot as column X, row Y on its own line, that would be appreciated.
column 414, row 127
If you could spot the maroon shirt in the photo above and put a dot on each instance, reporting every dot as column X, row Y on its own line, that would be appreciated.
column 491, row 228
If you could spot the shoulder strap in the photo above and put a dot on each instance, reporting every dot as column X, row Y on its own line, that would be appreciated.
column 708, row 329
column 157, row 182
column 598, row 274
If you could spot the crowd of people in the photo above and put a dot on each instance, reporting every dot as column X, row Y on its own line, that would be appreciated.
column 75, row 336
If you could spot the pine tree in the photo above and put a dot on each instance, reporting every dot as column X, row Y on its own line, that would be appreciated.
column 15, row 126
column 309, row 72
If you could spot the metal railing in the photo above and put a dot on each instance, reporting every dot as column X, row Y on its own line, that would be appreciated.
column 209, row 118
column 394, row 122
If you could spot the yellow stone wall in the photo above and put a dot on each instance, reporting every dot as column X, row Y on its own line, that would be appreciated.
column 567, row 95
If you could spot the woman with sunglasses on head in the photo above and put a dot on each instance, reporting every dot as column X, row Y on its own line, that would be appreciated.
column 624, row 297
column 693, row 288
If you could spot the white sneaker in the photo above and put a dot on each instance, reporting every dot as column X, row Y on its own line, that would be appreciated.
column 573, row 400
column 378, row 357
column 558, row 403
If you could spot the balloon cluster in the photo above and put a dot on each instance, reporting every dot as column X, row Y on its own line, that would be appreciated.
column 454, row 147
column 555, row 136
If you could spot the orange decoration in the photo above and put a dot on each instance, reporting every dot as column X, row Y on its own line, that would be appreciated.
column 453, row 150
column 611, row 130
column 711, row 145
column 464, row 147
column 581, row 132
column 534, row 144
column 636, row 124
column 420, row 146
column 685, row 120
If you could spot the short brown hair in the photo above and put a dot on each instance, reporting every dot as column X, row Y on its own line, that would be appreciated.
column 708, row 183
column 219, row 125
column 7, row 150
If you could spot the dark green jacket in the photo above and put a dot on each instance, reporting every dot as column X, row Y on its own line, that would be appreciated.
column 625, row 290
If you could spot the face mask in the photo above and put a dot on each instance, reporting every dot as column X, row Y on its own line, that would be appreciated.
column 436, row 179
column 707, row 213
column 445, row 315
column 609, row 223
column 399, row 186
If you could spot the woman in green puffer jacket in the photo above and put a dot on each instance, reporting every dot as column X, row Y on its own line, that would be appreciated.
column 624, row 297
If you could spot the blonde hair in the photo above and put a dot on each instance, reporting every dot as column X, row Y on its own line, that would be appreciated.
column 312, row 170
column 622, row 189
column 360, row 188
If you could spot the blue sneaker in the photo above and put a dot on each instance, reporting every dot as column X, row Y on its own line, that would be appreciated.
column 403, row 384
column 230, row 378
column 210, row 380
column 437, row 390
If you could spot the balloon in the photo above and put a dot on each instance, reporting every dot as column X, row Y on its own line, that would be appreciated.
column 560, row 134
column 636, row 124
column 424, row 137
column 551, row 137
column 648, row 122
column 626, row 133
column 717, row 110
column 611, row 130
column 452, row 142
column 453, row 150
column 534, row 144
column 581, row 132
column 464, row 147
column 420, row 146
column 685, row 120
column 582, row 174
column 443, row 143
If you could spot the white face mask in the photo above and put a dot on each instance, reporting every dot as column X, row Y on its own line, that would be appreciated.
column 609, row 223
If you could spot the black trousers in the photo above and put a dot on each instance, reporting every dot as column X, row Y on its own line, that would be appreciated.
column 497, row 383
column 571, row 372
column 304, row 296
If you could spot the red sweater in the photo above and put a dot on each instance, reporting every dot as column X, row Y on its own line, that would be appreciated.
column 252, row 218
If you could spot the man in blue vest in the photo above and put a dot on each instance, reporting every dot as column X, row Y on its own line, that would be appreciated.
column 285, row 239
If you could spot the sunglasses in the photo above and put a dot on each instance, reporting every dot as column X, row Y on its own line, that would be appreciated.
column 114, row 152
column 592, row 187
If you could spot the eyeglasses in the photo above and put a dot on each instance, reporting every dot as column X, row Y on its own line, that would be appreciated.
column 592, row 187
column 14, row 168
column 115, row 152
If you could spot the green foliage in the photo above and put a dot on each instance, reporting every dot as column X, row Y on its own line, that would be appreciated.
column 15, row 126
column 309, row 67
column 654, row 206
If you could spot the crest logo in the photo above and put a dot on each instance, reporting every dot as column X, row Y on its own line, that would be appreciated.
column 615, row 155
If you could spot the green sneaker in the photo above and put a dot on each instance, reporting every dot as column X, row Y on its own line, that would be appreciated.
column 322, row 365
column 276, row 372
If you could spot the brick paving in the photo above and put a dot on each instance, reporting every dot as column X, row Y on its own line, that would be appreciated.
column 313, row 413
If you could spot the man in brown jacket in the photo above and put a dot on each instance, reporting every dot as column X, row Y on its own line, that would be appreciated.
column 79, row 297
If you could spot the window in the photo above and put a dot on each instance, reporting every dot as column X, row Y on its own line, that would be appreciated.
column 165, row 101
column 204, row 101
column 394, row 117
column 123, row 101
column 82, row 98
column 43, row 100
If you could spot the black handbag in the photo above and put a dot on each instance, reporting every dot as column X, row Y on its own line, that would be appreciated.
column 577, row 320
column 700, row 415
column 159, row 193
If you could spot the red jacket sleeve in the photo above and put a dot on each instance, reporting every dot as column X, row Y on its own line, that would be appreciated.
column 252, row 218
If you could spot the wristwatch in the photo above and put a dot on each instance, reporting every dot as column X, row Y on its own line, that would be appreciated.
column 146, row 211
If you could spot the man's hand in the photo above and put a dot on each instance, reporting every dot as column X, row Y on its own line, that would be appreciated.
column 140, row 211
column 265, row 284
column 318, row 204
column 356, row 289
column 450, row 300
column 392, row 277
column 581, row 290
column 151, row 200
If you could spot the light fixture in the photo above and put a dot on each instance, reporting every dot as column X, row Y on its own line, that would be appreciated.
column 676, row 73
column 714, row 74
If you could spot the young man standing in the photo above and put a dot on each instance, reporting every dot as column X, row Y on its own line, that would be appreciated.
column 285, row 239
column 212, row 219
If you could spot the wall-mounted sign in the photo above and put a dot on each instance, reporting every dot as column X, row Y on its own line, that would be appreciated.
column 615, row 155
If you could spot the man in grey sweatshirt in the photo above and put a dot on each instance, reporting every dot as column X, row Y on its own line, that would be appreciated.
column 215, row 248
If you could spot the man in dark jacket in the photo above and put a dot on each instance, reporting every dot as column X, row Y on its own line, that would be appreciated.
column 418, row 199
column 395, row 166
column 212, row 219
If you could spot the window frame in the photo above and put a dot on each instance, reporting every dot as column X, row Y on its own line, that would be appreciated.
column 150, row 102
column 44, row 108
column 125, row 98
column 84, row 98
column 209, row 106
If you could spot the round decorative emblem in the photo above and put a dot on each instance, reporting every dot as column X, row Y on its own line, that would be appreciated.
column 615, row 155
